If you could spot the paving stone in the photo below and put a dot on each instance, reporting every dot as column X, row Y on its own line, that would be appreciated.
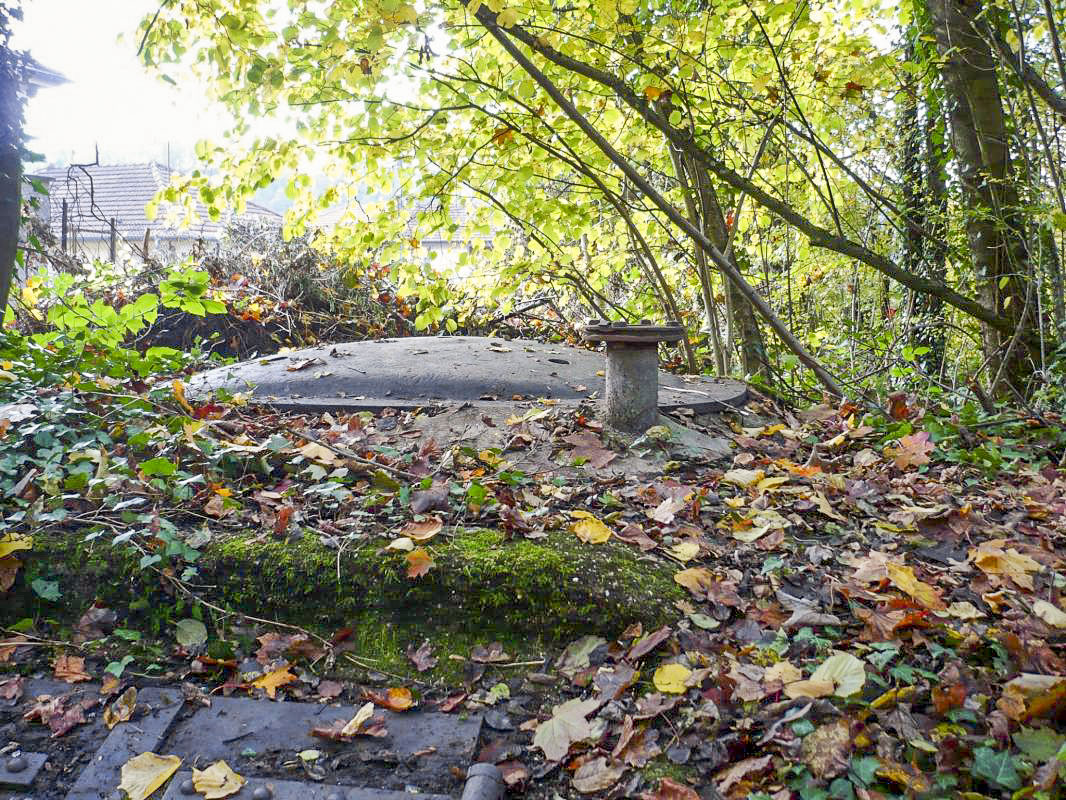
column 234, row 724
column 19, row 772
column 144, row 733
column 294, row 790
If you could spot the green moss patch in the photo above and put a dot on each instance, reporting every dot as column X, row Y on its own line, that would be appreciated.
column 529, row 595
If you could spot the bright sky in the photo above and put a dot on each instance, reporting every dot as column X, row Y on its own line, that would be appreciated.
column 110, row 100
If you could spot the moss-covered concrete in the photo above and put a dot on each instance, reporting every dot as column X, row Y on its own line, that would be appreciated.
column 529, row 595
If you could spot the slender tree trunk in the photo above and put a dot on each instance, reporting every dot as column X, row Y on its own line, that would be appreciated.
column 994, row 225
column 10, row 165
column 743, row 324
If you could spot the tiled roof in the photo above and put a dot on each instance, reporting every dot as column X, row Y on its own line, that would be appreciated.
column 99, row 193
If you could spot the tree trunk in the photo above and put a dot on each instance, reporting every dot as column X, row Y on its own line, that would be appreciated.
column 994, row 224
column 10, row 165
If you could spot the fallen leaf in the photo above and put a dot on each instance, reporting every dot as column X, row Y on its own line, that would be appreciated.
column 846, row 672
column 782, row 672
column 589, row 529
column 1051, row 614
column 423, row 657
column 685, row 550
column 216, row 781
column 12, row 689
column 913, row 450
column 419, row 563
column 11, row 542
column 274, row 680
column 566, row 726
column 143, row 774
column 826, row 749
column 645, row 645
column 493, row 654
column 742, row 769
column 903, row 578
column 992, row 559
column 422, row 531
column 669, row 789
column 670, row 678
column 394, row 699
column 744, row 478
column 71, row 669
column 697, row 580
column 9, row 567
column 122, row 709
column 596, row 775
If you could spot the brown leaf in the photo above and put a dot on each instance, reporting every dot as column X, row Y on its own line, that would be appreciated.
column 9, row 567
column 71, row 669
column 12, row 689
column 493, row 654
column 61, row 712
column 644, row 646
column 422, row 531
column 433, row 499
column 96, row 623
column 741, row 770
column 330, row 690
column 913, row 450
column 826, row 749
column 597, row 775
column 669, row 789
column 423, row 657
column 515, row 773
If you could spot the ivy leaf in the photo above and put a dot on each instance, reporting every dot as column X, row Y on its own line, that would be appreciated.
column 996, row 767
column 46, row 590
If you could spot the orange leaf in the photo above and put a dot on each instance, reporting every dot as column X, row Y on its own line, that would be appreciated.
column 395, row 699
column 418, row 563
column 71, row 669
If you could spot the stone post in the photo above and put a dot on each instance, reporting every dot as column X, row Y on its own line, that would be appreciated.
column 631, row 399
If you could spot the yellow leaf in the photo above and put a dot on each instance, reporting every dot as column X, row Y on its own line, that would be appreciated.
column 653, row 93
column 685, row 550
column 743, row 477
column 903, row 579
column 670, row 678
column 216, row 781
column 822, row 503
column 697, row 580
column 179, row 395
column 783, row 672
column 844, row 671
column 589, row 529
column 810, row 688
column 771, row 483
column 403, row 544
column 273, row 680
column 1051, row 614
column 419, row 563
column 122, row 709
column 143, row 774
column 992, row 559
column 507, row 18
column 11, row 542
column 355, row 725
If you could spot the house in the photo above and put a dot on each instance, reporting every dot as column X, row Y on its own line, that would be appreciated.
column 426, row 230
column 98, row 212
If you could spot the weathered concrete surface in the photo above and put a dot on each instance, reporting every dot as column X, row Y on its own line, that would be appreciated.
column 293, row 790
column 421, row 371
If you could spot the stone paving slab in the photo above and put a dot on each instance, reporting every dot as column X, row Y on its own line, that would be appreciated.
column 180, row 788
column 19, row 772
column 234, row 724
column 426, row 371
column 143, row 733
